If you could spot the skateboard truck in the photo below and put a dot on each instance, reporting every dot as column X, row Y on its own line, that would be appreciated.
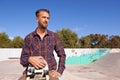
column 37, row 74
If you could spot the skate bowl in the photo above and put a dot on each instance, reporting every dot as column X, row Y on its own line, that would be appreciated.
column 108, row 65
column 106, row 68
column 12, row 70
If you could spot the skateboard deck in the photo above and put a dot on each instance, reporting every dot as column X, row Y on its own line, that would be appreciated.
column 37, row 74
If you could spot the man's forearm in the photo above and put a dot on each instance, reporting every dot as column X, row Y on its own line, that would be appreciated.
column 61, row 65
column 24, row 61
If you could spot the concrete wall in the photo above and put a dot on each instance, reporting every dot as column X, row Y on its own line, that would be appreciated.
column 74, row 55
column 85, row 56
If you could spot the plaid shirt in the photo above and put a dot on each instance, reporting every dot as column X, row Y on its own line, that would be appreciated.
column 34, row 46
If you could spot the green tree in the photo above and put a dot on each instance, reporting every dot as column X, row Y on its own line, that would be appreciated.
column 98, row 40
column 85, row 42
column 17, row 42
column 68, row 38
column 114, row 42
column 94, row 41
column 4, row 40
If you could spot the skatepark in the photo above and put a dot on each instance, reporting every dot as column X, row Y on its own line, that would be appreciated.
column 106, row 68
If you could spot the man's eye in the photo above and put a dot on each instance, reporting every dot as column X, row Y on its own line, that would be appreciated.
column 48, row 18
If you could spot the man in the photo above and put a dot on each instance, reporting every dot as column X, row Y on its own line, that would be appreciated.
column 40, row 44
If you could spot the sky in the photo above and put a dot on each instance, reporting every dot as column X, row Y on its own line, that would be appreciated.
column 84, row 17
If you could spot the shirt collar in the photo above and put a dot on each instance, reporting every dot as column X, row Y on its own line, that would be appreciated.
column 47, row 32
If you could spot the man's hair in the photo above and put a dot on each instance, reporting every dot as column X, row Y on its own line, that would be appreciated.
column 39, row 10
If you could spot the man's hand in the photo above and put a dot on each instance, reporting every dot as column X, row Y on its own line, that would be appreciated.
column 55, row 74
column 37, row 61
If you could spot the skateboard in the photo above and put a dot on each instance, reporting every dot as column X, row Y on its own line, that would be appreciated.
column 37, row 74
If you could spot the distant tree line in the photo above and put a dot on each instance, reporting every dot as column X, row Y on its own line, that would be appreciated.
column 6, row 42
column 69, row 39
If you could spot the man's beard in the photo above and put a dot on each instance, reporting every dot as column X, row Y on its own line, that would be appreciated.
column 44, row 27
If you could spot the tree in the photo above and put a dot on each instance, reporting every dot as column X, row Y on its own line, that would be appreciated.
column 98, row 40
column 4, row 40
column 17, row 42
column 68, row 38
column 85, row 42
column 114, row 42
column 94, row 41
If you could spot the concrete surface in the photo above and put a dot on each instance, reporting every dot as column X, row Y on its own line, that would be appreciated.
column 107, row 68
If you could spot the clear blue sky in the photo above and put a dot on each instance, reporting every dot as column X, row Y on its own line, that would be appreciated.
column 17, row 17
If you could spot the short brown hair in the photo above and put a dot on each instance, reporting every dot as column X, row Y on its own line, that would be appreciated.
column 39, row 10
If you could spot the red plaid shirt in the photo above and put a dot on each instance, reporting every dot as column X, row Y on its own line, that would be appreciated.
column 34, row 46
